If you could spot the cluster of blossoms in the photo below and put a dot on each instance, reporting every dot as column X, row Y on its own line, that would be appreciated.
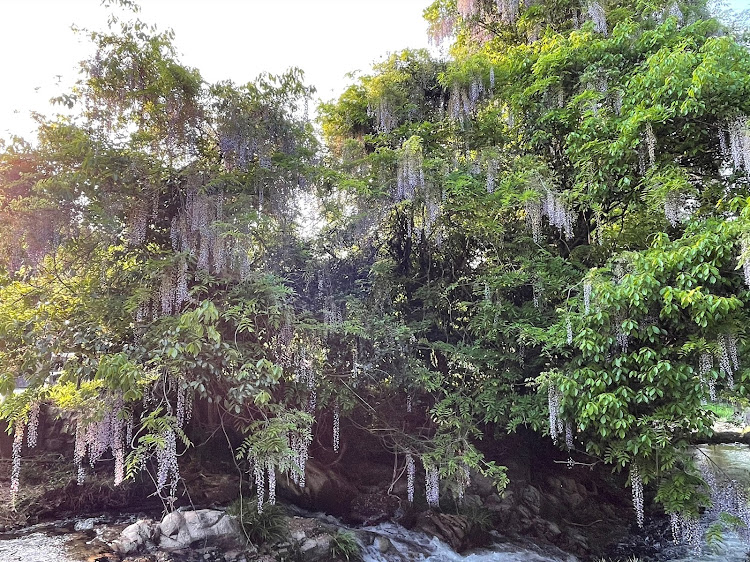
column 167, row 468
column 569, row 445
column 734, row 141
column 554, row 404
column 33, row 427
column 432, row 483
column 463, row 480
column 554, row 208
column 410, row 175
column 336, row 426
column 676, row 207
column 623, row 340
column 292, row 462
column 15, row 474
column 462, row 101
column 686, row 528
column 745, row 259
column 728, row 358
column 569, row 331
column 137, row 225
column 432, row 211
column 650, row 141
column 385, row 117
column 587, row 289
column 636, row 483
column 705, row 365
column 596, row 14
column 94, row 437
column 184, row 409
column 283, row 341
column 410, row 474
column 492, row 166
column 673, row 11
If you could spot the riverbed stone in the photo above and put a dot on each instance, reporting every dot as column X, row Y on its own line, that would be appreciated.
column 135, row 536
column 383, row 544
column 181, row 528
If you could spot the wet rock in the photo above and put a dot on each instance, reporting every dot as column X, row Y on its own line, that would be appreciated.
column 371, row 509
column 451, row 529
column 179, row 529
column 325, row 490
column 383, row 544
column 316, row 549
column 532, row 499
column 135, row 537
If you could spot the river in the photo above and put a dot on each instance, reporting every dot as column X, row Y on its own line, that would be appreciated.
column 79, row 540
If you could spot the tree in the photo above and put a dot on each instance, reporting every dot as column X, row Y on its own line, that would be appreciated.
column 570, row 217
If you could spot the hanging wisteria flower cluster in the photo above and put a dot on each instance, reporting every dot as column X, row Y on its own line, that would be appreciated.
column 554, row 405
column 569, row 330
column 410, row 175
column 410, row 475
column 623, row 339
column 686, row 528
column 745, row 259
column 384, row 115
column 728, row 358
column 587, row 290
column 649, row 138
column 292, row 462
column 167, row 468
column 336, row 426
column 137, row 225
column 734, row 141
column 705, row 366
column 636, row 483
column 95, row 436
column 468, row 8
column 555, row 209
column 492, row 166
column 15, row 473
column 726, row 497
column 675, row 207
column 596, row 14
column 463, row 101
column 432, row 483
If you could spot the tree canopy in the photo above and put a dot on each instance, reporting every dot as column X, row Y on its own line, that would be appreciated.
column 549, row 229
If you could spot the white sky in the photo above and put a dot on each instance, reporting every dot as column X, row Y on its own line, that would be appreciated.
column 224, row 39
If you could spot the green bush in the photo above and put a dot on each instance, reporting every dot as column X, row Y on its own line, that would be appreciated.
column 344, row 545
column 266, row 527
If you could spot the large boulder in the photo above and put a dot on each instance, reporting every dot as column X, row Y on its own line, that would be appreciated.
column 180, row 529
column 451, row 529
column 135, row 537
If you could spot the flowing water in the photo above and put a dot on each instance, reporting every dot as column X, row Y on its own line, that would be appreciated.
column 732, row 462
column 412, row 546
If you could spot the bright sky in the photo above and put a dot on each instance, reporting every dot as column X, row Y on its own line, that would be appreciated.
column 224, row 39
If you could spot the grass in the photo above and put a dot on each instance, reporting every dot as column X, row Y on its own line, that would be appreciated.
column 344, row 546
column 267, row 527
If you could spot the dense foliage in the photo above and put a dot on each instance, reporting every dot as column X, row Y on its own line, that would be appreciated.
column 548, row 230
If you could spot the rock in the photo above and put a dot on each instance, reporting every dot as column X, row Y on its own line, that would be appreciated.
column 181, row 528
column 84, row 524
column 532, row 499
column 135, row 536
column 316, row 549
column 371, row 509
column 451, row 529
column 325, row 490
column 383, row 544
